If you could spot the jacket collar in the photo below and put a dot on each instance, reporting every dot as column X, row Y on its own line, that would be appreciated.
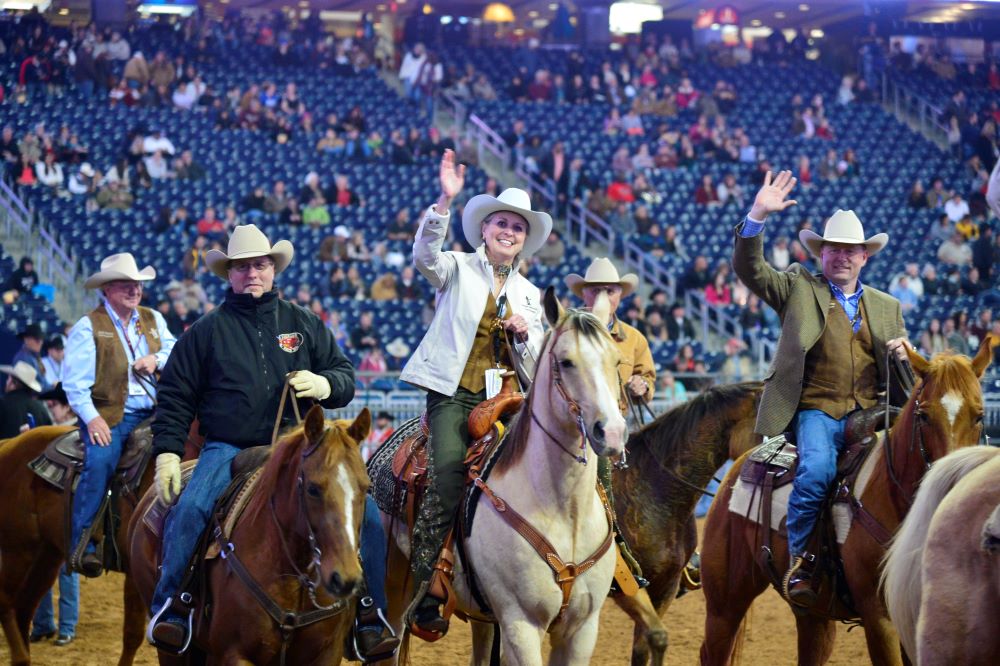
column 485, row 262
column 617, row 329
column 248, row 305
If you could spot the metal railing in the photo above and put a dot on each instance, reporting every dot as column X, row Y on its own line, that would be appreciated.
column 26, row 232
column 910, row 107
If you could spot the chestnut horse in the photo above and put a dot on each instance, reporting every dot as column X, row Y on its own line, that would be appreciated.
column 298, row 540
column 941, row 577
column 944, row 412
column 33, row 543
column 669, row 460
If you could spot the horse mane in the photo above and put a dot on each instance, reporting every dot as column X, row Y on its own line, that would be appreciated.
column 286, row 453
column 584, row 324
column 954, row 373
column 675, row 430
column 900, row 579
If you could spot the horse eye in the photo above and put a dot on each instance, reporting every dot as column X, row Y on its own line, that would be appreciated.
column 566, row 363
column 979, row 419
column 314, row 491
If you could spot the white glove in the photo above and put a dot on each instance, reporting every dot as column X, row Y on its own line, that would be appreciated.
column 310, row 385
column 168, row 477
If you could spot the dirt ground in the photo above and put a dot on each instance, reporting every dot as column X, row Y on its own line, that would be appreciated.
column 771, row 636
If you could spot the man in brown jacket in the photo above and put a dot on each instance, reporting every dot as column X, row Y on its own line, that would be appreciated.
column 831, row 356
column 108, row 375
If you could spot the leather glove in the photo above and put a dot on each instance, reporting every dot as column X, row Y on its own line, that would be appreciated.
column 310, row 385
column 168, row 477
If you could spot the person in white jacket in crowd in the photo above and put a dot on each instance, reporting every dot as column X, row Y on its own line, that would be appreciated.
column 409, row 70
column 479, row 294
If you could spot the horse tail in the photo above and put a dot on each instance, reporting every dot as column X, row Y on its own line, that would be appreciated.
column 740, row 642
column 901, row 577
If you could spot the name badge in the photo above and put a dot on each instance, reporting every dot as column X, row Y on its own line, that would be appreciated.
column 493, row 382
column 135, row 388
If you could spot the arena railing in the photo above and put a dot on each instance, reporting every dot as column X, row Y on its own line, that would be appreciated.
column 714, row 321
column 26, row 232
column 914, row 109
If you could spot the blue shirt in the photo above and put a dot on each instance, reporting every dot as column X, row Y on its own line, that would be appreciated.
column 851, row 304
column 80, row 362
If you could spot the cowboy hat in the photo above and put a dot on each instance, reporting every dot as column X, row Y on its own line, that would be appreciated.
column 119, row 266
column 515, row 201
column 601, row 271
column 397, row 348
column 87, row 170
column 56, row 393
column 24, row 373
column 248, row 242
column 32, row 331
column 842, row 227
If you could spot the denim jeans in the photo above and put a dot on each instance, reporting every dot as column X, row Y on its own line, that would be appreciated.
column 373, row 553
column 819, row 439
column 69, row 607
column 701, row 509
column 189, row 517
column 99, row 465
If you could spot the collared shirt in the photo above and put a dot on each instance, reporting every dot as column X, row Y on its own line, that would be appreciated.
column 752, row 227
column 80, row 363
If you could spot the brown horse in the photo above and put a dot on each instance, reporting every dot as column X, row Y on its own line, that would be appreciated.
column 669, row 460
column 943, row 413
column 33, row 544
column 311, row 490
column 942, row 573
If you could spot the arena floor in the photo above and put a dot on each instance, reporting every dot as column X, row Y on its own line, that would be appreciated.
column 771, row 638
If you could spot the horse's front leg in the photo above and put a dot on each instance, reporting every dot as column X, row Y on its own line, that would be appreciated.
column 575, row 647
column 649, row 643
column 520, row 641
column 482, row 643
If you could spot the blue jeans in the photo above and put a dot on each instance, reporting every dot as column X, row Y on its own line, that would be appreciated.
column 69, row 607
column 701, row 509
column 99, row 465
column 189, row 517
column 373, row 552
column 819, row 439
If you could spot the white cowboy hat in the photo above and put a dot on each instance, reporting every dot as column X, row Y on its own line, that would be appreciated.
column 601, row 271
column 87, row 170
column 25, row 373
column 247, row 242
column 397, row 348
column 842, row 227
column 119, row 266
column 515, row 201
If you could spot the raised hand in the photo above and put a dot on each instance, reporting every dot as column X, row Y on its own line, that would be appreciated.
column 452, row 178
column 771, row 196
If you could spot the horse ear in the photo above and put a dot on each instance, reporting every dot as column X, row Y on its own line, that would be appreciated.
column 315, row 423
column 553, row 308
column 985, row 355
column 361, row 425
column 602, row 308
column 918, row 362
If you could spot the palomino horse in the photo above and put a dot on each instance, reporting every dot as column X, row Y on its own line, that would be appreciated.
column 573, row 401
column 670, row 459
column 941, row 577
column 298, row 545
column 943, row 413
column 33, row 543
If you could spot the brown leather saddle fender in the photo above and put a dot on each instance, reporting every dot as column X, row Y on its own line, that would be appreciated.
column 488, row 412
column 409, row 466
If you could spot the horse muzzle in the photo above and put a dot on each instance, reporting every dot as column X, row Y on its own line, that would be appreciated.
column 342, row 586
column 607, row 438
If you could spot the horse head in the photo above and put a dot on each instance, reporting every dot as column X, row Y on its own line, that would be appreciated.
column 947, row 404
column 583, row 367
column 318, row 483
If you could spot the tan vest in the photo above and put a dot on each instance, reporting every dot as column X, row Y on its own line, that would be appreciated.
column 840, row 371
column 111, row 378
column 481, row 357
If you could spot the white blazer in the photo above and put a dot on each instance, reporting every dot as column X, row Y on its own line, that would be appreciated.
column 463, row 281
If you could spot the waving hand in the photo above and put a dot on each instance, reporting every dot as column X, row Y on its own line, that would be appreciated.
column 771, row 198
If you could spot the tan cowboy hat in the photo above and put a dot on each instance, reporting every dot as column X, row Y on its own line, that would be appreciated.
column 119, row 266
column 842, row 227
column 515, row 201
column 25, row 373
column 398, row 348
column 601, row 271
column 247, row 242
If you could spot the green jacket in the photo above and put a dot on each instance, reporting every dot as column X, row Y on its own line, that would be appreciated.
column 802, row 300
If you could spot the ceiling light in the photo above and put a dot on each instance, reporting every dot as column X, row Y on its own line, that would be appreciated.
column 553, row 6
column 755, row 23
column 498, row 12
column 533, row 14
column 428, row 9
column 803, row 8
column 779, row 15
column 816, row 33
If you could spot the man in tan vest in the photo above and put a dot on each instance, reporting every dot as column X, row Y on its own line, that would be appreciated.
column 111, row 357
column 831, row 356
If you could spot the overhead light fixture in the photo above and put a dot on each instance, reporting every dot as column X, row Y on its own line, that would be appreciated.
column 498, row 12
column 779, row 15
column 803, row 7
column 816, row 33
column 178, row 9
column 64, row 11
column 553, row 6
column 427, row 8
column 533, row 14
column 755, row 23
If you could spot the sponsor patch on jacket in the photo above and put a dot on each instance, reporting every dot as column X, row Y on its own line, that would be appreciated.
column 290, row 342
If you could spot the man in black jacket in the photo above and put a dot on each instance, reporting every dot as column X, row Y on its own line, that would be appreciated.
column 228, row 370
column 20, row 408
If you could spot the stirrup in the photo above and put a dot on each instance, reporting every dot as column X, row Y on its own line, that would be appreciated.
column 170, row 649
column 374, row 618
column 427, row 634
column 796, row 574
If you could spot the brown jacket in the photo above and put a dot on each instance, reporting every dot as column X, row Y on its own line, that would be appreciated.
column 636, row 357
column 802, row 301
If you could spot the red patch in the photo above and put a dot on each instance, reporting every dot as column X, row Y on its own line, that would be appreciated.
column 290, row 342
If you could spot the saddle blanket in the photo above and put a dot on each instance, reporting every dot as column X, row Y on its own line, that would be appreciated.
column 744, row 499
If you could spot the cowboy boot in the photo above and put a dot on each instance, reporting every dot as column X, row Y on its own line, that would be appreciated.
column 690, row 576
column 797, row 584
column 372, row 638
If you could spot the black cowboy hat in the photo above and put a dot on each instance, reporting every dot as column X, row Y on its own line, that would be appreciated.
column 55, row 393
column 32, row 331
column 384, row 415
